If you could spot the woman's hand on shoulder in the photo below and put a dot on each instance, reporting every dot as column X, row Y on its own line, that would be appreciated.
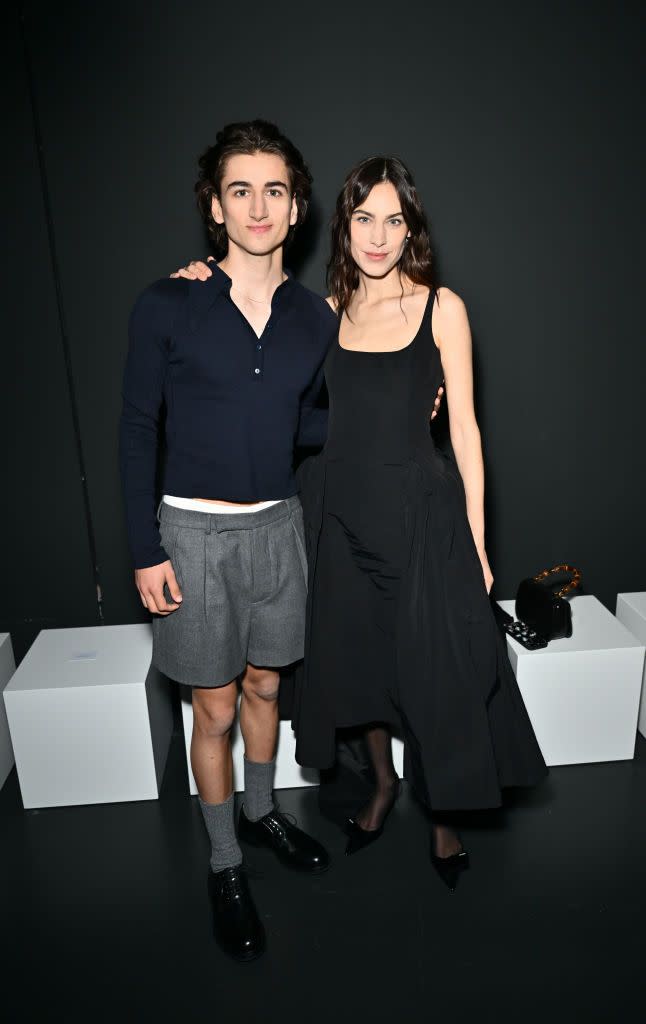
column 196, row 270
column 438, row 401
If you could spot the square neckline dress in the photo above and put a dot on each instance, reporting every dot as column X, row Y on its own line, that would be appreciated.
column 399, row 625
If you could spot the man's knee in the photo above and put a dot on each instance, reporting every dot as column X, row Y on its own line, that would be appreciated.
column 260, row 683
column 214, row 711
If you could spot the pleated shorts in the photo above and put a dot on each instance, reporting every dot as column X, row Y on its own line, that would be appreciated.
column 243, row 578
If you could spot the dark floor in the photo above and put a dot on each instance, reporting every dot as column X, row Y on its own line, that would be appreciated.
column 105, row 918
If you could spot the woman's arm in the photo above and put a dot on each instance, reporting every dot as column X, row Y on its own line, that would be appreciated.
column 452, row 336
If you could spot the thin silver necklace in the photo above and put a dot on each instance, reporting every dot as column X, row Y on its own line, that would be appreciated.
column 260, row 302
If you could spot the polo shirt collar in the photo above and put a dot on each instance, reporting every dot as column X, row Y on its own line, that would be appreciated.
column 202, row 294
column 222, row 282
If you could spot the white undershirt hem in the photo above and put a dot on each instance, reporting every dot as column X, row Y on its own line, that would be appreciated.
column 195, row 505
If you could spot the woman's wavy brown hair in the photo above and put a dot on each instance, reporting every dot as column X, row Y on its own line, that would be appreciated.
column 416, row 261
column 248, row 137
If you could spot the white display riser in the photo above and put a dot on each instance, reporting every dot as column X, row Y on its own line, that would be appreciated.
column 7, row 669
column 90, row 720
column 582, row 693
column 631, row 612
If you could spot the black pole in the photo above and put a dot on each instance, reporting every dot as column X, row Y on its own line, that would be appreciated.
column 61, row 315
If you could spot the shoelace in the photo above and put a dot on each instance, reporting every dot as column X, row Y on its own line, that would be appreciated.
column 277, row 820
column 285, row 814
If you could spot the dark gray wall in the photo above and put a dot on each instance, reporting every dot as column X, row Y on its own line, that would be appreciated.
column 520, row 123
column 47, row 571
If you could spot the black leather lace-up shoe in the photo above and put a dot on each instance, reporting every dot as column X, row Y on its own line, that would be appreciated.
column 290, row 844
column 238, row 929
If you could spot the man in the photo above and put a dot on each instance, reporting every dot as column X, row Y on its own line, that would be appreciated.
column 235, row 363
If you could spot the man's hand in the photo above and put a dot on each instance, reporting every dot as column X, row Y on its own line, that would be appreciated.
column 195, row 271
column 150, row 584
column 437, row 402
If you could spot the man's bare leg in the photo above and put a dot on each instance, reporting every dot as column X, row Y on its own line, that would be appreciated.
column 259, row 713
column 259, row 726
column 237, row 925
column 261, row 823
column 214, row 713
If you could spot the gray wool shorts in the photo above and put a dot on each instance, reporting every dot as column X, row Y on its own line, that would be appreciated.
column 243, row 578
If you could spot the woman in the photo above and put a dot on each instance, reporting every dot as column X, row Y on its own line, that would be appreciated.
column 400, row 630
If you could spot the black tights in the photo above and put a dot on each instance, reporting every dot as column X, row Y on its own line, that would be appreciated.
column 386, row 787
column 386, row 783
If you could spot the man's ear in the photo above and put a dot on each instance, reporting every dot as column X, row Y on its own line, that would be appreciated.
column 216, row 210
column 293, row 213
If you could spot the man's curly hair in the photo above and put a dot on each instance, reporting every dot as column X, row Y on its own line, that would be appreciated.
column 248, row 137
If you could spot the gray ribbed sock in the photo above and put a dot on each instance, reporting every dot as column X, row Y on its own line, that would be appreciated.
column 258, row 786
column 218, row 818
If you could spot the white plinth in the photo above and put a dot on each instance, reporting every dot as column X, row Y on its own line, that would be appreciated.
column 289, row 774
column 582, row 694
column 7, row 669
column 631, row 612
column 90, row 721
column 398, row 756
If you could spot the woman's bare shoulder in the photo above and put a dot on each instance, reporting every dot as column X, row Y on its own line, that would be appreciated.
column 331, row 303
column 448, row 305
column 450, row 320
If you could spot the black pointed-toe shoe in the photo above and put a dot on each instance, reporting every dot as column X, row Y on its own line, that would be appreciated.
column 291, row 845
column 359, row 837
column 238, row 929
column 450, row 868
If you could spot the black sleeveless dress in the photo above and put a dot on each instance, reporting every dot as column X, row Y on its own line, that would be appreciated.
column 400, row 628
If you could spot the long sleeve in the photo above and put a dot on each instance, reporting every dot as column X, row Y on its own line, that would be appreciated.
column 312, row 423
column 143, row 394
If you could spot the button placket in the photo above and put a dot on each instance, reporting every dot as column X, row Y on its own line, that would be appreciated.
column 260, row 343
column 259, row 359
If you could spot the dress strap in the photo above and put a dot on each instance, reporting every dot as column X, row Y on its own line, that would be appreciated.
column 430, row 347
column 428, row 312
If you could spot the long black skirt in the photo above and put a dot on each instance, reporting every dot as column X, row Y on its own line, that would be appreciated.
column 400, row 630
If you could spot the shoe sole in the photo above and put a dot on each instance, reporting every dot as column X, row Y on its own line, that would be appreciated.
column 301, row 870
column 308, row 871
column 245, row 958
column 286, row 864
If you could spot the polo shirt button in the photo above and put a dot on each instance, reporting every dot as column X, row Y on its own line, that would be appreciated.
column 259, row 347
column 256, row 370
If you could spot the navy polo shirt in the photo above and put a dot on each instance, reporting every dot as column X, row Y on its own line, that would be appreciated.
column 233, row 406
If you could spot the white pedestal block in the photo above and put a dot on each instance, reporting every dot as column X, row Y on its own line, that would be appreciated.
column 398, row 756
column 90, row 720
column 7, row 669
column 631, row 612
column 289, row 774
column 582, row 694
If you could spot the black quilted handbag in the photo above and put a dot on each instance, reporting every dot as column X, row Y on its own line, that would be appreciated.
column 542, row 607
